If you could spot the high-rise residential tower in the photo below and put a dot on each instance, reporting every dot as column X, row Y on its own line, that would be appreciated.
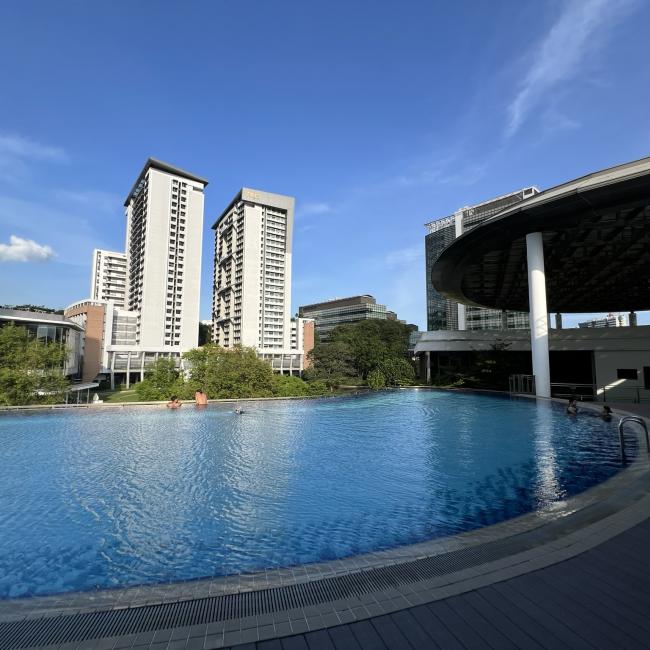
column 108, row 277
column 251, row 301
column 444, row 314
column 164, row 232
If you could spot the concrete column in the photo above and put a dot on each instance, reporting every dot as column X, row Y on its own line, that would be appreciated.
column 538, row 314
column 428, row 358
column 128, row 370
column 462, row 317
column 504, row 319
column 558, row 321
column 113, row 371
column 632, row 319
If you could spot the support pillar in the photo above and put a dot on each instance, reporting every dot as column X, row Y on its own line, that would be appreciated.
column 538, row 314
column 558, row 321
column 128, row 370
column 428, row 357
column 504, row 319
column 632, row 319
column 462, row 317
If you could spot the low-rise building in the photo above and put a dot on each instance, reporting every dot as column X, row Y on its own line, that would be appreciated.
column 50, row 328
column 340, row 311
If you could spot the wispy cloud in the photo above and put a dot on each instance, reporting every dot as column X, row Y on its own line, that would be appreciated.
column 17, row 152
column 404, row 256
column 21, row 147
column 25, row 250
column 95, row 201
column 561, row 54
column 315, row 208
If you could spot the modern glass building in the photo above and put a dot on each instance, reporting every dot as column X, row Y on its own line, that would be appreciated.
column 445, row 314
column 50, row 328
column 339, row 311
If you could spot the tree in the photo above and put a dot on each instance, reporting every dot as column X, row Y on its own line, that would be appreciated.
column 331, row 362
column 232, row 373
column 376, row 379
column 356, row 349
column 205, row 333
column 161, row 382
column 397, row 371
column 31, row 371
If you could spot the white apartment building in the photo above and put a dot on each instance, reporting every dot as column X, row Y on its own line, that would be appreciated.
column 108, row 277
column 164, row 232
column 251, row 301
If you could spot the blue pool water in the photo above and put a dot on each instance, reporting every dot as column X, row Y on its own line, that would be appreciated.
column 109, row 498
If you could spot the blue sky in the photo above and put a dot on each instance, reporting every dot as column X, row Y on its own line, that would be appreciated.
column 377, row 116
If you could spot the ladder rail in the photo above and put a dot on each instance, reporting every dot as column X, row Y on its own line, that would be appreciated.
column 621, row 438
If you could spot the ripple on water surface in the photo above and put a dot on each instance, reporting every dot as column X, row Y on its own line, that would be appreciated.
column 115, row 498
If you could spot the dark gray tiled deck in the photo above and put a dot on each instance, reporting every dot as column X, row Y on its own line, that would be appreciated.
column 598, row 599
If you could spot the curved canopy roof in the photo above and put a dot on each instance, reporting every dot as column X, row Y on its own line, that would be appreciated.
column 596, row 232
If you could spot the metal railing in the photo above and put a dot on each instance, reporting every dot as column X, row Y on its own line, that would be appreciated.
column 623, row 393
column 621, row 438
column 522, row 384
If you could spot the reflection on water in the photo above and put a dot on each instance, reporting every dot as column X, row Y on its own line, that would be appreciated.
column 115, row 498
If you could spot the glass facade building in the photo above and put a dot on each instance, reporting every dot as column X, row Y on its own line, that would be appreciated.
column 331, row 313
column 50, row 328
column 445, row 314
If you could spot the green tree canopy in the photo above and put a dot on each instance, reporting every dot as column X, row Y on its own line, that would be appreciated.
column 161, row 382
column 235, row 373
column 356, row 349
column 31, row 371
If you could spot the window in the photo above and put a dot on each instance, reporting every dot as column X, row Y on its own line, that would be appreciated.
column 627, row 373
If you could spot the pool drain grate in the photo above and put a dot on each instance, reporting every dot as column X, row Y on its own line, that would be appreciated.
column 70, row 628
column 79, row 627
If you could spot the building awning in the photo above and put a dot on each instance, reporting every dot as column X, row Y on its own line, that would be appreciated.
column 596, row 233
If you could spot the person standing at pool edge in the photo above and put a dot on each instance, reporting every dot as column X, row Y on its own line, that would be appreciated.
column 200, row 397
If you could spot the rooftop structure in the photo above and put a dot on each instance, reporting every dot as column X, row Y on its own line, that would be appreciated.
column 585, row 245
column 444, row 313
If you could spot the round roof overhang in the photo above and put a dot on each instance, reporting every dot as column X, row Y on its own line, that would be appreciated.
column 596, row 233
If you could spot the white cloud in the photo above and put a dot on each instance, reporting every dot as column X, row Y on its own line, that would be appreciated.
column 561, row 54
column 16, row 145
column 315, row 208
column 91, row 200
column 24, row 250
column 16, row 152
column 404, row 256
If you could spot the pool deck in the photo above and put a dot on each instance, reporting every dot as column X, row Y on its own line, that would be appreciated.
column 576, row 578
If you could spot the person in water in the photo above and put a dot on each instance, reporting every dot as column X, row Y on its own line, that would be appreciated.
column 200, row 397
column 174, row 403
column 606, row 413
column 238, row 410
column 572, row 408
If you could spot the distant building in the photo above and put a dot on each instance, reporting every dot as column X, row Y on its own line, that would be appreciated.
column 251, row 298
column 252, row 272
column 339, row 311
column 611, row 320
column 50, row 328
column 156, row 313
column 164, row 234
column 445, row 314
column 108, row 277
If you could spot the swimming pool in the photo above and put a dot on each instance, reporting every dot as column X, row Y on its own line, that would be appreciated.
column 117, row 497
